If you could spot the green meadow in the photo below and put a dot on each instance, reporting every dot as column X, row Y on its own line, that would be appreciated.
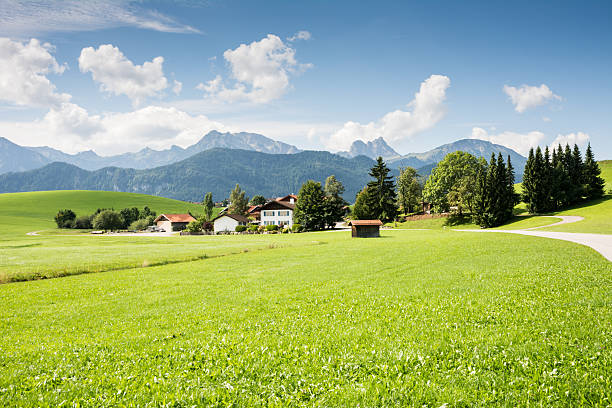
column 414, row 318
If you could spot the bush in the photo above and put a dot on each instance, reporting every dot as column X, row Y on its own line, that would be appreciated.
column 271, row 228
column 139, row 225
column 195, row 226
column 83, row 222
column 253, row 228
column 261, row 228
column 296, row 228
column 285, row 230
column 65, row 218
column 108, row 220
column 208, row 226
column 240, row 228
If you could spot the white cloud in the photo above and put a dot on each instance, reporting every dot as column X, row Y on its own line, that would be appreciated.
column 546, row 119
column 119, row 75
column 71, row 128
column 25, row 17
column 427, row 110
column 261, row 71
column 23, row 76
column 178, row 86
column 519, row 142
column 526, row 96
column 579, row 138
column 300, row 35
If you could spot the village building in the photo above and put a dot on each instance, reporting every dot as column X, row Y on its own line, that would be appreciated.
column 365, row 228
column 228, row 222
column 173, row 222
column 255, row 212
column 279, row 211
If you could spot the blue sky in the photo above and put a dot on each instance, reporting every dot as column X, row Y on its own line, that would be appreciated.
column 419, row 74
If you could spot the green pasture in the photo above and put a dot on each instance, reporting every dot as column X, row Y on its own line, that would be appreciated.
column 25, row 212
column 414, row 318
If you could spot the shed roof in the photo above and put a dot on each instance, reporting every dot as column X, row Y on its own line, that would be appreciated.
column 176, row 217
column 365, row 222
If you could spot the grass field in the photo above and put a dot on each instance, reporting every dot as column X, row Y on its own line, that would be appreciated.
column 404, row 320
column 414, row 318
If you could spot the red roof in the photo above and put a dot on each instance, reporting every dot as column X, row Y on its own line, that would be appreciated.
column 287, row 198
column 365, row 222
column 254, row 208
column 176, row 217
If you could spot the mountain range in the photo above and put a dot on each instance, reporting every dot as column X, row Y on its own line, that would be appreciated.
column 216, row 163
column 19, row 158
column 216, row 170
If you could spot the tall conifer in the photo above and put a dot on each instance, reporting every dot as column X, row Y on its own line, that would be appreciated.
column 594, row 184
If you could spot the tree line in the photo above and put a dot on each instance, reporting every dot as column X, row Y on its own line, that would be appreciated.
column 107, row 219
column 555, row 181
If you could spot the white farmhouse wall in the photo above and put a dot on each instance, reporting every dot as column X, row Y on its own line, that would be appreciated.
column 225, row 224
column 274, row 217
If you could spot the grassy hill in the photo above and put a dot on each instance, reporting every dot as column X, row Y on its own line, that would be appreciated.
column 25, row 212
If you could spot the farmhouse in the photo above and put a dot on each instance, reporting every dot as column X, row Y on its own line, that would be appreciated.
column 173, row 222
column 365, row 228
column 228, row 222
column 278, row 211
column 255, row 212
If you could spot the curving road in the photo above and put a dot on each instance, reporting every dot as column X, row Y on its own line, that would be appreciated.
column 602, row 243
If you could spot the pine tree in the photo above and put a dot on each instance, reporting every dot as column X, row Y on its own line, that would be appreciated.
column 529, row 182
column 547, row 180
column 482, row 204
column 594, row 184
column 501, row 188
column 511, row 196
column 381, row 192
column 362, row 210
column 577, row 176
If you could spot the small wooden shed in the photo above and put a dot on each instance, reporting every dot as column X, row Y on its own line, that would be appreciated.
column 365, row 228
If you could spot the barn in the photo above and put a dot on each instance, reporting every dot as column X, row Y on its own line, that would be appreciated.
column 365, row 228
column 173, row 222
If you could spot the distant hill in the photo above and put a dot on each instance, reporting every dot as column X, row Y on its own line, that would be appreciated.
column 19, row 158
column 216, row 170
column 479, row 148
column 373, row 149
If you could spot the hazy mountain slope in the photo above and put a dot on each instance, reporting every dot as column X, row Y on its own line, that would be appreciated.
column 217, row 170
column 18, row 158
column 479, row 148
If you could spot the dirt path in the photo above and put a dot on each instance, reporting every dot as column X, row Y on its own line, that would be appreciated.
column 602, row 243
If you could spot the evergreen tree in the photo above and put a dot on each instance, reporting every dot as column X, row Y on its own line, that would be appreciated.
column 594, row 184
column 381, row 193
column 239, row 202
column 208, row 205
column 529, row 182
column 334, row 203
column 513, row 197
column 310, row 208
column 577, row 175
column 482, row 215
column 547, row 175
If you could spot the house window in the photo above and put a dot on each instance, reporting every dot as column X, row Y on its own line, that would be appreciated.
column 283, row 213
column 268, row 213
